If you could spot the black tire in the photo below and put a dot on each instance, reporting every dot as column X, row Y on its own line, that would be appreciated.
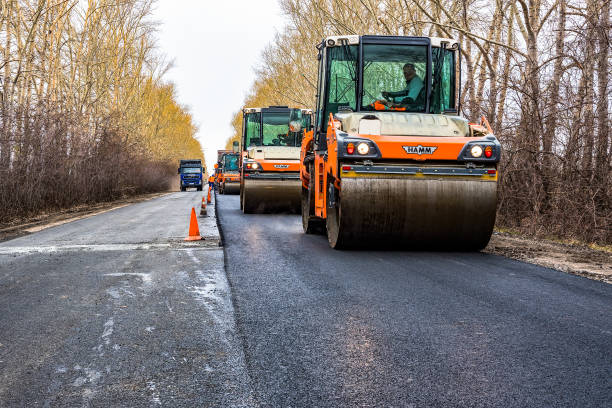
column 241, row 196
column 199, row 188
column 310, row 223
column 334, row 214
column 182, row 188
column 246, row 206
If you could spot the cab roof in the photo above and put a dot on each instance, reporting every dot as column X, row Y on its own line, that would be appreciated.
column 274, row 108
column 336, row 40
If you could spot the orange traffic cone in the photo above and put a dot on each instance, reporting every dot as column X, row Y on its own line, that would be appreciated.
column 203, row 206
column 194, row 230
column 208, row 198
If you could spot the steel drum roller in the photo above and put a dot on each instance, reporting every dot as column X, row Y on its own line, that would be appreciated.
column 445, row 213
column 261, row 196
column 231, row 188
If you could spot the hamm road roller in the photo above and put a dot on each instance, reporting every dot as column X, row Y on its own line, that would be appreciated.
column 390, row 162
column 270, row 167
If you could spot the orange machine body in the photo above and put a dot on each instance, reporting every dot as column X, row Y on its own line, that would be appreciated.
column 392, row 148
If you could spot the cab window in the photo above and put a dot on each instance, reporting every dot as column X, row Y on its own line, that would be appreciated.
column 252, row 128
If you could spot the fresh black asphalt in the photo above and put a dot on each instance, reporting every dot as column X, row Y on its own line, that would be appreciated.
column 323, row 328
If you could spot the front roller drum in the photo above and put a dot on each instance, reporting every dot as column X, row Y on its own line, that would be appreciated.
column 439, row 214
column 266, row 196
column 231, row 188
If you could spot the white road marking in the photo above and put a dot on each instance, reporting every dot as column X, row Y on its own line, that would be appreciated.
column 108, row 330
column 48, row 249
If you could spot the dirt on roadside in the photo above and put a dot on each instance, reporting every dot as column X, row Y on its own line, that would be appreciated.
column 45, row 220
column 577, row 259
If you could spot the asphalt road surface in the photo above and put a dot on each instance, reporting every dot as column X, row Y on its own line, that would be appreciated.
column 117, row 310
column 410, row 329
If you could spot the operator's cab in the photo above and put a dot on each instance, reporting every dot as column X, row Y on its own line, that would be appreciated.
column 369, row 75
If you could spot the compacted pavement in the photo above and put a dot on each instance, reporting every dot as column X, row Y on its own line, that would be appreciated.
column 116, row 310
column 322, row 327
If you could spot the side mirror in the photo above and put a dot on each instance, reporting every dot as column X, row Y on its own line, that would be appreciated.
column 295, row 126
column 235, row 147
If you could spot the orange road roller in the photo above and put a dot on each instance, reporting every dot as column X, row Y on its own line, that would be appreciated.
column 229, row 177
column 390, row 162
column 270, row 160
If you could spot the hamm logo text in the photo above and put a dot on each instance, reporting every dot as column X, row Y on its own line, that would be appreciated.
column 420, row 149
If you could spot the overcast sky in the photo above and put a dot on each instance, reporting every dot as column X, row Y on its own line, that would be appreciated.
column 215, row 46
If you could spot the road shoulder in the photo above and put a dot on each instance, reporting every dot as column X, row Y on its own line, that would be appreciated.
column 44, row 220
column 575, row 259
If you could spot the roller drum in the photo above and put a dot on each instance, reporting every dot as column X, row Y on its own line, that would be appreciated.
column 433, row 213
column 264, row 196
column 231, row 188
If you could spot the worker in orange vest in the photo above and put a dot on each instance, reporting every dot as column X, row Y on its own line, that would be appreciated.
column 211, row 181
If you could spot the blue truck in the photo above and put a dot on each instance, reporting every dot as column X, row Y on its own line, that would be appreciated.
column 191, row 174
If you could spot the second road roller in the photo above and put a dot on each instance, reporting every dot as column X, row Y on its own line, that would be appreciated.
column 390, row 161
column 229, row 174
column 270, row 160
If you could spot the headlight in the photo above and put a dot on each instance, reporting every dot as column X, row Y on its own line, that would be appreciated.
column 255, row 165
column 476, row 151
column 363, row 148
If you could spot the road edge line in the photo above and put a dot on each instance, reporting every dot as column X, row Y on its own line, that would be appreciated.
column 237, row 315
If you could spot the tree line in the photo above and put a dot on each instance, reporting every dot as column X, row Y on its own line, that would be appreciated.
column 539, row 70
column 85, row 112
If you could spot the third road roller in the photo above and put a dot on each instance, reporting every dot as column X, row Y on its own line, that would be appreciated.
column 390, row 161
column 270, row 160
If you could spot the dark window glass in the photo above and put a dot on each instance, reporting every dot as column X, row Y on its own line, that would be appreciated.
column 276, row 130
column 191, row 170
column 394, row 77
column 252, row 129
column 230, row 162
column 342, row 80
column 443, row 80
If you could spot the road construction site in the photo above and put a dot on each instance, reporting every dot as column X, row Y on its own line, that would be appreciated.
column 119, row 310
